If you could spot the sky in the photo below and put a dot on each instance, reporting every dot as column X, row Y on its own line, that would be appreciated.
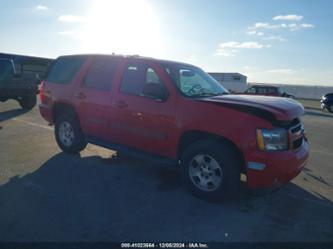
column 275, row 41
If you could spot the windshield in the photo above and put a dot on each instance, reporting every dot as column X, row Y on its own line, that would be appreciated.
column 194, row 82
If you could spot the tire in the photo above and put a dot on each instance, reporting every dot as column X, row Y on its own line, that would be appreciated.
column 215, row 161
column 330, row 108
column 68, row 134
column 28, row 102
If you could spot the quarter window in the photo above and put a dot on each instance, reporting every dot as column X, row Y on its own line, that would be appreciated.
column 63, row 70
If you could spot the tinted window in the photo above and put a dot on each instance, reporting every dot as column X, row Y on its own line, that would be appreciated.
column 136, row 76
column 251, row 90
column 6, row 69
column 64, row 69
column 152, row 77
column 261, row 90
column 272, row 90
column 100, row 74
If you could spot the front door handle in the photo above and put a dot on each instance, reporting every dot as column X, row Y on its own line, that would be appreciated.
column 80, row 95
column 121, row 104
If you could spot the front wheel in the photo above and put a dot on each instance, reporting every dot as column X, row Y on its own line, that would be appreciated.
column 68, row 134
column 330, row 108
column 211, row 170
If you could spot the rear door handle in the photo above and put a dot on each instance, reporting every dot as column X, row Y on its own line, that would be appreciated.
column 121, row 104
column 80, row 96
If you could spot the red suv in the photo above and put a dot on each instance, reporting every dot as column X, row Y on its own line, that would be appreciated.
column 174, row 113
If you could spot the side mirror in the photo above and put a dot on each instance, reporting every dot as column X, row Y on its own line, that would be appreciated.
column 155, row 91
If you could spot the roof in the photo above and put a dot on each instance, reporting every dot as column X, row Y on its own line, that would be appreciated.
column 219, row 73
column 26, row 58
column 130, row 56
column 264, row 85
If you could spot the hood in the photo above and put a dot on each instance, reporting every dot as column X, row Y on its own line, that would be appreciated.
column 270, row 108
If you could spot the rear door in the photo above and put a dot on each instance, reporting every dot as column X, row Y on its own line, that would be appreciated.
column 93, row 96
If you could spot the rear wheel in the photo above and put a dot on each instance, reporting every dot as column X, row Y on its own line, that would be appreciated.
column 28, row 102
column 211, row 170
column 68, row 133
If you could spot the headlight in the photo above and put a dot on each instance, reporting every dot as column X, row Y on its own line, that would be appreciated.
column 272, row 140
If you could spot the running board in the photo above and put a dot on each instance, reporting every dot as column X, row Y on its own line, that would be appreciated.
column 132, row 151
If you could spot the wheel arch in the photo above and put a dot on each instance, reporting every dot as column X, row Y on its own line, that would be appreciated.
column 60, row 108
column 189, row 137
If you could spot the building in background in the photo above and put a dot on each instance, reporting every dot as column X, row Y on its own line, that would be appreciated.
column 234, row 82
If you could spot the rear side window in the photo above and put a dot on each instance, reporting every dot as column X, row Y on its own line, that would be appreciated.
column 251, row 90
column 100, row 74
column 133, row 80
column 272, row 90
column 152, row 77
column 64, row 69
column 262, row 90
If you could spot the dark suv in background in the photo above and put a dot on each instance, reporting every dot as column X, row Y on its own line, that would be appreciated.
column 19, row 86
column 327, row 102
column 268, row 90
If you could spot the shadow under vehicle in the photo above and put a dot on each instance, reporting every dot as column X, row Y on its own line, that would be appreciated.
column 89, row 198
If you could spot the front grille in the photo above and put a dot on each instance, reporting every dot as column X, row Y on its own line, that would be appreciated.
column 296, row 135
column 296, row 129
column 297, row 143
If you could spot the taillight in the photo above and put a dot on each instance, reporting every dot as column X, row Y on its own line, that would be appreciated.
column 41, row 92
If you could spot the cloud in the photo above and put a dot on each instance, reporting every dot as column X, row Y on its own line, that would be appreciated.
column 287, row 18
column 254, row 32
column 233, row 47
column 234, row 44
column 226, row 52
column 41, row 7
column 266, row 25
column 70, row 18
column 291, row 27
column 274, row 38
column 295, row 26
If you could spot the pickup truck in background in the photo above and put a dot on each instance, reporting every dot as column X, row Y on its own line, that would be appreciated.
column 175, row 113
column 22, row 87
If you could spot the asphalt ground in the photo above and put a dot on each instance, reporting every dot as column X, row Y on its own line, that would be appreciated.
column 47, row 195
